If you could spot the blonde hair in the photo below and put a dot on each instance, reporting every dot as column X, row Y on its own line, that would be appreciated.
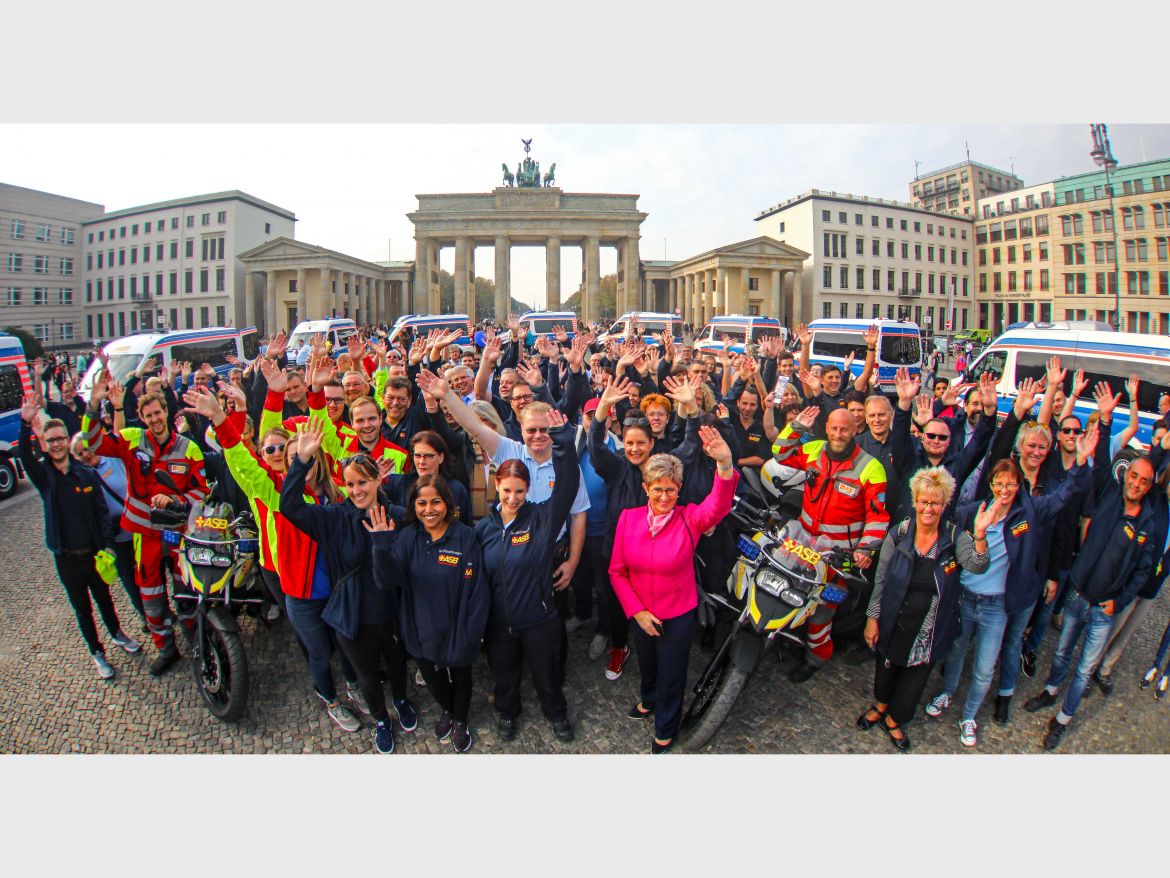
column 662, row 466
column 933, row 480
column 324, row 477
column 1030, row 430
column 485, row 411
column 534, row 408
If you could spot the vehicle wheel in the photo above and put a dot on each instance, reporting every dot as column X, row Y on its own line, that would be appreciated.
column 220, row 667
column 7, row 479
column 711, row 706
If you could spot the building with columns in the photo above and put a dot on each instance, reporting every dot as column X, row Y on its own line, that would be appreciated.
column 871, row 258
column 287, row 281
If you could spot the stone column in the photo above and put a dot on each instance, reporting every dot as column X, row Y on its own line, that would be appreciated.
column 249, row 298
column 503, row 276
column 592, row 308
column 774, row 280
column 719, row 300
column 709, row 297
column 323, row 307
column 270, row 302
column 368, row 310
column 461, row 275
column 471, row 299
column 380, row 300
column 633, row 270
column 797, row 316
column 302, row 294
column 347, row 283
column 745, row 294
column 552, row 274
column 434, row 296
column 422, row 273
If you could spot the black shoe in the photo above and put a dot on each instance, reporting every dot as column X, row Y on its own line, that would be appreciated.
column 802, row 672
column 1055, row 730
column 865, row 723
column 1039, row 702
column 443, row 727
column 657, row 748
column 166, row 658
column 1002, row 707
column 707, row 638
column 506, row 729
column 460, row 737
column 637, row 713
column 563, row 729
column 1104, row 682
column 1028, row 663
column 902, row 744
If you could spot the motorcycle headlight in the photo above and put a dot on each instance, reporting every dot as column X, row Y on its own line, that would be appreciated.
column 771, row 582
column 221, row 561
column 199, row 554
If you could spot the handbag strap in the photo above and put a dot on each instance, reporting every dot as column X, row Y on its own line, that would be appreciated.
column 108, row 489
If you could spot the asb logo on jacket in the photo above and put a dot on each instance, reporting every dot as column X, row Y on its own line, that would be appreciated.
column 518, row 539
column 448, row 560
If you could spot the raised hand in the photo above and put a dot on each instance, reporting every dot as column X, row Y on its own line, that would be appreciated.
column 847, row 366
column 310, row 438
column 1106, row 399
column 987, row 392
column 1080, row 382
column 808, row 416
column 385, row 468
column 234, row 395
column 715, row 446
column 1131, row 387
column 379, row 522
column 1054, row 374
column 989, row 514
column 354, row 346
column 116, row 394
column 1026, row 393
column 174, row 370
column 201, row 401
column 923, row 409
column 38, row 366
column 679, row 389
column 149, row 365
column 561, row 335
column 804, row 334
column 721, row 411
column 615, row 391
column 277, row 347
column 1087, row 443
column 812, row 384
column 418, row 350
column 556, row 418
column 429, row 382
column 906, row 385
column 575, row 355
column 274, row 375
column 530, row 373
column 29, row 408
column 100, row 389
column 871, row 336
column 321, row 370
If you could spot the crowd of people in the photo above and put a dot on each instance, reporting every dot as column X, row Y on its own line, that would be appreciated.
column 422, row 502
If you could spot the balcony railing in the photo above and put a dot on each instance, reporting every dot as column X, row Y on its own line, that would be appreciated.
column 142, row 298
column 906, row 294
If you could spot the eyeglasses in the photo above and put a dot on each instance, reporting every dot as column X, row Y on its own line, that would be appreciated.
column 425, row 456
column 1071, row 431
column 1005, row 486
column 663, row 492
column 354, row 458
column 274, row 449
column 522, row 398
column 335, row 400
column 937, row 437
column 534, row 431
column 56, row 440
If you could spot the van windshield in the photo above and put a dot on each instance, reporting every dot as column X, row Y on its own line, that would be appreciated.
column 993, row 361
column 122, row 365
column 735, row 333
column 759, row 332
column 838, row 344
column 545, row 324
column 900, row 350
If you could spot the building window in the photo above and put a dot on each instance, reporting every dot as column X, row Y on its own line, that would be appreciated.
column 173, row 283
column 206, row 220
column 18, row 230
column 221, row 217
column 66, row 265
column 121, row 258
column 188, row 282
column 826, row 309
column 826, row 216
column 844, row 277
column 844, row 310
column 65, row 296
column 121, row 288
column 930, row 283
column 1043, row 279
column 89, row 292
column 174, row 249
column 917, row 252
column 890, row 249
column 146, row 253
column 41, row 264
column 860, row 247
column 268, row 228
column 876, row 248
column 842, row 217
column 191, row 221
column 997, row 282
column 133, row 255
column 877, row 278
column 160, row 225
column 930, row 254
column 40, row 295
column 890, row 222
column 158, row 251
column 983, row 283
column 905, row 250
column 203, row 276
column 1011, row 281
column 220, row 279
column 873, row 221
column 827, row 277
column 189, row 247
column 1027, row 281
column 44, row 233
column 861, row 278
column 12, row 296
column 889, row 281
column 917, row 226
column 1043, row 251
column 203, row 323
column 1106, row 282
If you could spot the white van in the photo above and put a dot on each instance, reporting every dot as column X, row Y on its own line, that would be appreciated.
column 337, row 331
column 534, row 323
column 1104, row 355
column 195, row 346
column 899, row 346
column 650, row 321
column 742, row 329
column 421, row 324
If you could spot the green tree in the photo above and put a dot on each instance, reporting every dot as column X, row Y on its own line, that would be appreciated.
column 608, row 298
column 485, row 298
column 32, row 347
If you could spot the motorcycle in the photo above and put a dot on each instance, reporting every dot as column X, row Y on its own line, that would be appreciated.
column 219, row 569
column 779, row 579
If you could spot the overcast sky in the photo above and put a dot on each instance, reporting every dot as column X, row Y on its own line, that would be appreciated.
column 351, row 186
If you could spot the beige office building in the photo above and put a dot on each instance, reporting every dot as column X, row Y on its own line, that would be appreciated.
column 41, row 263
column 174, row 264
column 1014, row 257
column 957, row 189
column 871, row 258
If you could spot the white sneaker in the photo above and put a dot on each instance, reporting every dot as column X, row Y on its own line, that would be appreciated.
column 967, row 730
column 105, row 671
column 354, row 695
column 597, row 646
column 344, row 718
column 418, row 680
column 938, row 704
column 127, row 642
column 272, row 613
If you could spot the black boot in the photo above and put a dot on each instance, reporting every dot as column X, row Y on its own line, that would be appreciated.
column 1002, row 708
column 167, row 657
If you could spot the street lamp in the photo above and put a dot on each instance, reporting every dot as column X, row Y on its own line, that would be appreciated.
column 1102, row 156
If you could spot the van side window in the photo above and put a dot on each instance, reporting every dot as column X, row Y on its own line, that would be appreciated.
column 1117, row 371
column 994, row 362
column 1035, row 366
column 251, row 345
column 11, row 390
column 214, row 351
column 838, row 344
column 898, row 350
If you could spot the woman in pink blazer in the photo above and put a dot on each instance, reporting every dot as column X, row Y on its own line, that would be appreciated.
column 653, row 575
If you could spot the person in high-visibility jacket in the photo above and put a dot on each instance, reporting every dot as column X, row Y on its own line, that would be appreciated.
column 143, row 451
column 844, row 502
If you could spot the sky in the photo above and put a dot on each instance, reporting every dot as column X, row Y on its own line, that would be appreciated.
column 351, row 185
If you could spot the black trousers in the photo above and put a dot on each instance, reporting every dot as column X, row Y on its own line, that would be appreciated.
column 450, row 686
column 899, row 688
column 539, row 647
column 662, row 661
column 594, row 572
column 365, row 652
column 79, row 575
column 577, row 599
column 124, row 562
column 271, row 582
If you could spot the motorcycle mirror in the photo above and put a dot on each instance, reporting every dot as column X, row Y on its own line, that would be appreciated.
column 164, row 478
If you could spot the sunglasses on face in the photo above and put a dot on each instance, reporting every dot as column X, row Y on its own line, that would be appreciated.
column 353, row 458
column 636, row 421
column 535, row 431
column 1071, row 431
column 937, row 437
column 274, row 449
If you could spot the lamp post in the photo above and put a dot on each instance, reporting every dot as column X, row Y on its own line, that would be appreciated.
column 1102, row 156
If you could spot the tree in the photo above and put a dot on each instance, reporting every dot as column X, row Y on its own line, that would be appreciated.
column 485, row 299
column 608, row 298
column 32, row 347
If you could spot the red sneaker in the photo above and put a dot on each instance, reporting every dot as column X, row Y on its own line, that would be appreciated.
column 618, row 656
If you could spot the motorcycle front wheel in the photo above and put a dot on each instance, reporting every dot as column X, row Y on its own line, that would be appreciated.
column 220, row 667
column 711, row 705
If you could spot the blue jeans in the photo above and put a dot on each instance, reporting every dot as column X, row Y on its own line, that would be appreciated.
column 317, row 637
column 982, row 617
column 1163, row 650
column 1044, row 612
column 1079, row 617
column 1013, row 642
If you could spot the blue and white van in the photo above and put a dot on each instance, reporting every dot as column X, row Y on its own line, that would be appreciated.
column 213, row 345
column 650, row 321
column 534, row 323
column 899, row 346
column 421, row 324
column 1104, row 356
column 336, row 330
column 15, row 383
column 740, row 328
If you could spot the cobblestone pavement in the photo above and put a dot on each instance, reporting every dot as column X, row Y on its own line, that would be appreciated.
column 51, row 700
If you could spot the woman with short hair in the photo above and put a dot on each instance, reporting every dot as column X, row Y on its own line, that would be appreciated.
column 653, row 575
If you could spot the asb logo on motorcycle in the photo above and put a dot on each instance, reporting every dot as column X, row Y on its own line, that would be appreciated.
column 211, row 523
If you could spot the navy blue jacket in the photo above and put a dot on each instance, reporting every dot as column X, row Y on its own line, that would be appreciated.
column 959, row 462
column 1023, row 535
column 89, row 514
column 443, row 597
column 518, row 562
column 340, row 534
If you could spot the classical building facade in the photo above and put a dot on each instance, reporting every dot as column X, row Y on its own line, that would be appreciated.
column 957, row 189
column 41, row 261
column 287, row 281
column 1014, row 257
column 870, row 258
column 174, row 264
